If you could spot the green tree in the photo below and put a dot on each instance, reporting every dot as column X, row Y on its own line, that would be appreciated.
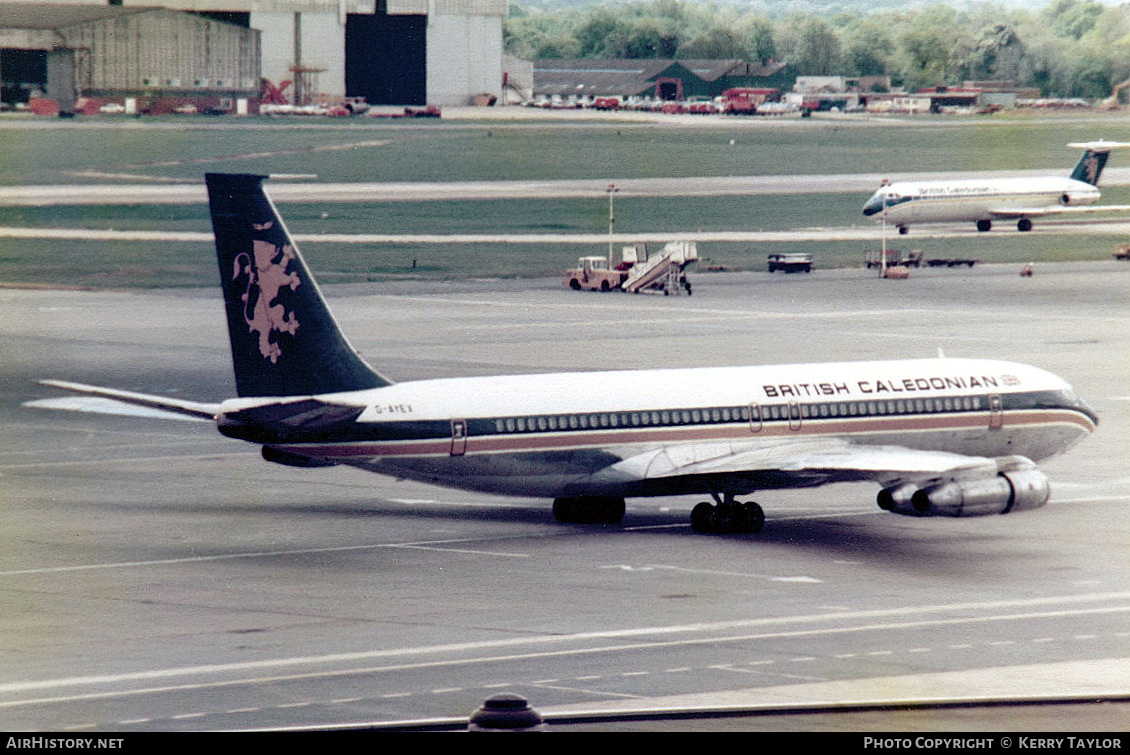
column 818, row 50
column 1072, row 18
column 650, row 38
column 718, row 43
column 934, row 48
column 869, row 48
column 999, row 54
column 603, row 35
column 760, row 41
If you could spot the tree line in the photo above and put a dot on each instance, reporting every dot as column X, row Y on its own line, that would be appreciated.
column 1069, row 48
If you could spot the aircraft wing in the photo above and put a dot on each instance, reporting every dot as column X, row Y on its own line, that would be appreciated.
column 1032, row 212
column 100, row 400
column 795, row 463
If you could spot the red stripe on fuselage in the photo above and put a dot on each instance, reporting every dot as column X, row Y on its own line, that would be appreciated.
column 605, row 437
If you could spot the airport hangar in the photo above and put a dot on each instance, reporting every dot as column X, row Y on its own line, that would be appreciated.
column 391, row 52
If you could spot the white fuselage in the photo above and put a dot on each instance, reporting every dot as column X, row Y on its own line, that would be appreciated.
column 910, row 202
column 548, row 435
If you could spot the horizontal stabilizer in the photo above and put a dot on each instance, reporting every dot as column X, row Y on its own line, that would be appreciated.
column 1098, row 146
column 123, row 399
column 98, row 405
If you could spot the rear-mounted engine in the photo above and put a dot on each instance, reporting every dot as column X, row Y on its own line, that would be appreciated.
column 1009, row 491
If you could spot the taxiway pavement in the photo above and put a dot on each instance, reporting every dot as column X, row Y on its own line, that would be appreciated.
column 156, row 576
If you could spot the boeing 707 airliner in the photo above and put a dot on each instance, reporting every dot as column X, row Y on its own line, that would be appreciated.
column 952, row 437
column 981, row 201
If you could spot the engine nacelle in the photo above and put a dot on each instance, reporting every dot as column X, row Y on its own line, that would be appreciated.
column 1030, row 489
column 1017, row 490
column 898, row 499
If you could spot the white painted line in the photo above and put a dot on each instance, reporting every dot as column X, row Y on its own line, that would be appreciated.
column 754, row 629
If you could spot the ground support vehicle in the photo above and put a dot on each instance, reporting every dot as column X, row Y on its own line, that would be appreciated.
column 790, row 262
column 594, row 274
column 950, row 262
column 894, row 258
column 637, row 271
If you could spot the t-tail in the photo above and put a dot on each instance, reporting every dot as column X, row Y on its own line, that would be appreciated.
column 284, row 340
column 1091, row 164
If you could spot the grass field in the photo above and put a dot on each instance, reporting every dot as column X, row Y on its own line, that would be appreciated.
column 109, row 151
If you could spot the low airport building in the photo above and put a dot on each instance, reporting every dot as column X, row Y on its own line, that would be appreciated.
column 658, row 79
column 221, row 52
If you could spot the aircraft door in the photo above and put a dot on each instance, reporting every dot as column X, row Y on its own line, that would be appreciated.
column 754, row 417
column 996, row 412
column 794, row 415
column 458, row 437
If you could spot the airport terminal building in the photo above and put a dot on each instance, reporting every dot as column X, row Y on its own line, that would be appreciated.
column 392, row 52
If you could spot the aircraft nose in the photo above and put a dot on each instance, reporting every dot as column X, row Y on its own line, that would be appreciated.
column 874, row 205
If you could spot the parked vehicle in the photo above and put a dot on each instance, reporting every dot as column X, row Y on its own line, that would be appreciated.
column 790, row 262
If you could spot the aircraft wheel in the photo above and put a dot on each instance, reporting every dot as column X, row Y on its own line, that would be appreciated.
column 728, row 517
column 903, row 230
column 611, row 510
column 564, row 510
column 754, row 517
column 984, row 225
column 1024, row 224
column 702, row 517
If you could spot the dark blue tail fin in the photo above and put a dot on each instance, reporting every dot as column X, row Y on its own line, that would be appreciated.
column 1090, row 166
column 284, row 340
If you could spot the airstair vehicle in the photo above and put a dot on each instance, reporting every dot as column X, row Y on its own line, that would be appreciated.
column 637, row 271
column 663, row 272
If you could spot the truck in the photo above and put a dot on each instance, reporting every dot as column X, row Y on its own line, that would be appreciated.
column 790, row 262
column 874, row 258
column 746, row 100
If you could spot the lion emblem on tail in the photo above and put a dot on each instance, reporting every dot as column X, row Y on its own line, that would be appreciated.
column 267, row 271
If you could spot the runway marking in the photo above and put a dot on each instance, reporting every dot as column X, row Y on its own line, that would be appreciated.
column 640, row 644
column 254, row 554
column 131, row 460
column 743, row 575
column 598, row 692
column 458, row 550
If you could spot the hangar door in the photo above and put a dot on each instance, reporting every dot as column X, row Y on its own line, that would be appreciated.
column 23, row 72
column 385, row 58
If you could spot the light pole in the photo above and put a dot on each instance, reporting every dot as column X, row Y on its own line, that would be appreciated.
column 611, row 218
column 883, row 249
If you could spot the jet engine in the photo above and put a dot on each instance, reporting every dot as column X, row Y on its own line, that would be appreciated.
column 1016, row 490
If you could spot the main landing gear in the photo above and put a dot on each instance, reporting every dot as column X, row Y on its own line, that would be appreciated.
column 727, row 516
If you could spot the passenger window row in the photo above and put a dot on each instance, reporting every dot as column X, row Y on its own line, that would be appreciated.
column 730, row 414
